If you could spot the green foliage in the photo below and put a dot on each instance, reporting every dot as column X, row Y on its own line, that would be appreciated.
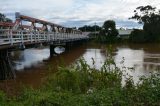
column 110, row 28
column 81, row 78
column 109, row 24
column 82, row 85
column 4, row 19
column 109, row 32
column 138, row 36
column 2, row 98
column 88, row 28
column 150, row 18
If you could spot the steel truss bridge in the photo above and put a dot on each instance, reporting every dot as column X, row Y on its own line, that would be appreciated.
column 29, row 31
column 17, row 33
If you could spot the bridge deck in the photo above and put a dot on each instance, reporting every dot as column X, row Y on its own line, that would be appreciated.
column 10, row 38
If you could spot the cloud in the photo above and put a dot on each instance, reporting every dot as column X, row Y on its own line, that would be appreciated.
column 128, row 24
column 77, row 12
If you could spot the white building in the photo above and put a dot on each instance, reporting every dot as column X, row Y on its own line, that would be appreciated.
column 124, row 33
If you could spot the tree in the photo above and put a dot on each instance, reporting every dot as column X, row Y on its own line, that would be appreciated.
column 8, row 20
column 110, row 28
column 137, row 36
column 109, row 32
column 4, row 19
column 150, row 18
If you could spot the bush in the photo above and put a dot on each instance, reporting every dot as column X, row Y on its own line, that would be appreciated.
column 82, row 85
column 138, row 36
column 141, row 36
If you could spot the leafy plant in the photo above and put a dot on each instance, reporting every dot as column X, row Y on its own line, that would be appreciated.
column 81, row 85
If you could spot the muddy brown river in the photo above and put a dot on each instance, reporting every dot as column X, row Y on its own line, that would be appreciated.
column 32, row 65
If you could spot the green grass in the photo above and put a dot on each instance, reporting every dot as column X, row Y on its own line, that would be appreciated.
column 81, row 85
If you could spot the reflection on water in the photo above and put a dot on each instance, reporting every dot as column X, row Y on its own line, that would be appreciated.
column 132, row 59
column 29, row 57
column 142, row 57
column 59, row 49
column 32, row 57
column 145, row 58
column 96, row 54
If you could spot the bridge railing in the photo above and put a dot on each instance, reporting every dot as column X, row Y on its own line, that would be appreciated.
column 11, row 37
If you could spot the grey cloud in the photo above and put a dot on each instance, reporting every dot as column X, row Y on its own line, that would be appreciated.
column 76, row 12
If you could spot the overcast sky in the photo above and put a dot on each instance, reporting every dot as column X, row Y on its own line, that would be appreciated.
column 77, row 12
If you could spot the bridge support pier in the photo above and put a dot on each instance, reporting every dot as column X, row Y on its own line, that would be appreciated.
column 68, row 46
column 52, row 52
column 6, row 70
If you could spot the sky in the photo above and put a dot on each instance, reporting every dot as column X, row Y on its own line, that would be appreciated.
column 76, row 13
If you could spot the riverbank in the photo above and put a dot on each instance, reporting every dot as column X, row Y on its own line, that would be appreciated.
column 79, row 84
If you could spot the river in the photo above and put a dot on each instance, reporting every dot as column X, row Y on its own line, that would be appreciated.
column 32, row 65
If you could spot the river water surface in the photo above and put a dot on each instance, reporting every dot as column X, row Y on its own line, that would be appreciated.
column 31, row 65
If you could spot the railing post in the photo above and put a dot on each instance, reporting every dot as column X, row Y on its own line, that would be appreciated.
column 22, row 39
column 31, row 36
column 11, row 37
column 35, row 36
column 56, row 37
column 45, row 37
column 51, row 36
column 38, row 35
column 44, row 33
column 26, row 34
column 54, row 34
column 62, row 35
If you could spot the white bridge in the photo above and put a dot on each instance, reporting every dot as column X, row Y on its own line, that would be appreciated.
column 12, row 37
column 12, row 34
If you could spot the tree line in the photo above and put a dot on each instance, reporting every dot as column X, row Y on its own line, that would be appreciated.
column 107, row 33
column 149, row 17
column 3, row 18
column 88, row 28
